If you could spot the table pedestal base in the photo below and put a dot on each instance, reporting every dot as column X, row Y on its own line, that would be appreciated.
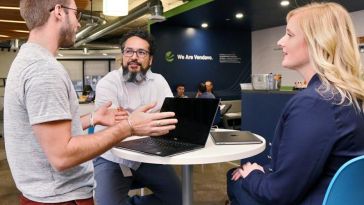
column 187, row 188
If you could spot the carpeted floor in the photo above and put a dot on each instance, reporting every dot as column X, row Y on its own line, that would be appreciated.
column 209, row 183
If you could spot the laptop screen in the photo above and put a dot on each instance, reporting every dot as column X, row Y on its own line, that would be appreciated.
column 195, row 117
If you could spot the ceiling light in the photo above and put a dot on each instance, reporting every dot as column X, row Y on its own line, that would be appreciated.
column 21, row 31
column 239, row 15
column 10, row 21
column 14, row 44
column 3, row 36
column 156, row 12
column 190, row 32
column 284, row 3
column 204, row 25
column 9, row 7
column 115, row 7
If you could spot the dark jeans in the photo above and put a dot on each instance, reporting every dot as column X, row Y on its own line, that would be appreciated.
column 112, row 187
column 236, row 193
column 25, row 201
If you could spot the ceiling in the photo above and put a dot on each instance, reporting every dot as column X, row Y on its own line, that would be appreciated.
column 17, row 30
column 219, row 14
column 258, row 14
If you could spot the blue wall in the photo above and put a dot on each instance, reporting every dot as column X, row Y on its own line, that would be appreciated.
column 210, row 44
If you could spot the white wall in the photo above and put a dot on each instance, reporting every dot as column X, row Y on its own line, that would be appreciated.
column 358, row 20
column 6, row 58
column 266, row 56
column 74, row 69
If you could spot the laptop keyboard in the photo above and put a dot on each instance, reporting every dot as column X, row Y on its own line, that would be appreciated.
column 157, row 143
column 164, row 143
column 167, row 143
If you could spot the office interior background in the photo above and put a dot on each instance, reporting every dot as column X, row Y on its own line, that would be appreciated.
column 197, row 40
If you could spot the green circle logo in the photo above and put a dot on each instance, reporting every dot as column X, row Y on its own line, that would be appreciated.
column 169, row 56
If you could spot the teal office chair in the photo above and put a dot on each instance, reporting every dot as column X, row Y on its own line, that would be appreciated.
column 347, row 186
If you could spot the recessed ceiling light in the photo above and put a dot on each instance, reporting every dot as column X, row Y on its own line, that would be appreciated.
column 115, row 7
column 190, row 31
column 4, row 36
column 204, row 25
column 239, row 15
column 284, row 3
column 227, row 19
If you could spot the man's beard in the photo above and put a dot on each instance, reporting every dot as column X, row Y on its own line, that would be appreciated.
column 66, row 36
column 135, row 77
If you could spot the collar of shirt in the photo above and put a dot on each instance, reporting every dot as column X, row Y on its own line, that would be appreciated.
column 315, row 78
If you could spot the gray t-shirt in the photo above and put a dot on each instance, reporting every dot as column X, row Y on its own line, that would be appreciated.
column 39, row 90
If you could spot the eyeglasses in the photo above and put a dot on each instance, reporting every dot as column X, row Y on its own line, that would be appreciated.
column 141, row 53
column 78, row 13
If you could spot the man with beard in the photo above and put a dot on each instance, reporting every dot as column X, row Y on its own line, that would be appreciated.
column 45, row 146
column 133, row 85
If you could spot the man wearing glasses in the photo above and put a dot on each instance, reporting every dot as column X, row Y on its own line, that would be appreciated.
column 133, row 85
column 48, row 153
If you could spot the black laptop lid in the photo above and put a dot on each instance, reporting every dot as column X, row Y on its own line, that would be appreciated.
column 195, row 117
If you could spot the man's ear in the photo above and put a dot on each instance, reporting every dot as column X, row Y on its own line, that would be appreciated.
column 121, row 60
column 58, row 11
column 150, row 60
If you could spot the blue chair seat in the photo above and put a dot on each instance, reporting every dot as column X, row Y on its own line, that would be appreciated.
column 347, row 185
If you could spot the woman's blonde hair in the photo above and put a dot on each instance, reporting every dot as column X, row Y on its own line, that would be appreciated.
column 334, row 51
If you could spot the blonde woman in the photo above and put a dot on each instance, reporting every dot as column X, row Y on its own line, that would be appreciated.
column 322, row 126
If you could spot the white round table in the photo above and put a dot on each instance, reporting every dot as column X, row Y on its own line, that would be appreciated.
column 211, row 153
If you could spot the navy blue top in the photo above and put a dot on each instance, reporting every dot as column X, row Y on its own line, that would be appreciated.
column 313, row 138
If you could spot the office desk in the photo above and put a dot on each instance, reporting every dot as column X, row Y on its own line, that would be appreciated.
column 210, row 154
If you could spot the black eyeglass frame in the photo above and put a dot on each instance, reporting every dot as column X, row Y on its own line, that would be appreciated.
column 78, row 13
column 136, row 52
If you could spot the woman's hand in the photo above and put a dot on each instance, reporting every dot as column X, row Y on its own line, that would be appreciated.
column 236, row 174
column 245, row 169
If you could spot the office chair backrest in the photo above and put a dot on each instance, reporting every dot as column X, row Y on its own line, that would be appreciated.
column 217, row 118
column 225, row 108
column 347, row 186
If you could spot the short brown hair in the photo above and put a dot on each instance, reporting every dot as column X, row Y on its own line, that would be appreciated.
column 36, row 12
column 141, row 33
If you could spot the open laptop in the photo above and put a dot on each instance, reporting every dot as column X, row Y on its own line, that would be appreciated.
column 234, row 137
column 195, row 117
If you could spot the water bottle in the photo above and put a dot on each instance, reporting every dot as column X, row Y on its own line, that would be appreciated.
column 270, row 81
column 277, row 81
